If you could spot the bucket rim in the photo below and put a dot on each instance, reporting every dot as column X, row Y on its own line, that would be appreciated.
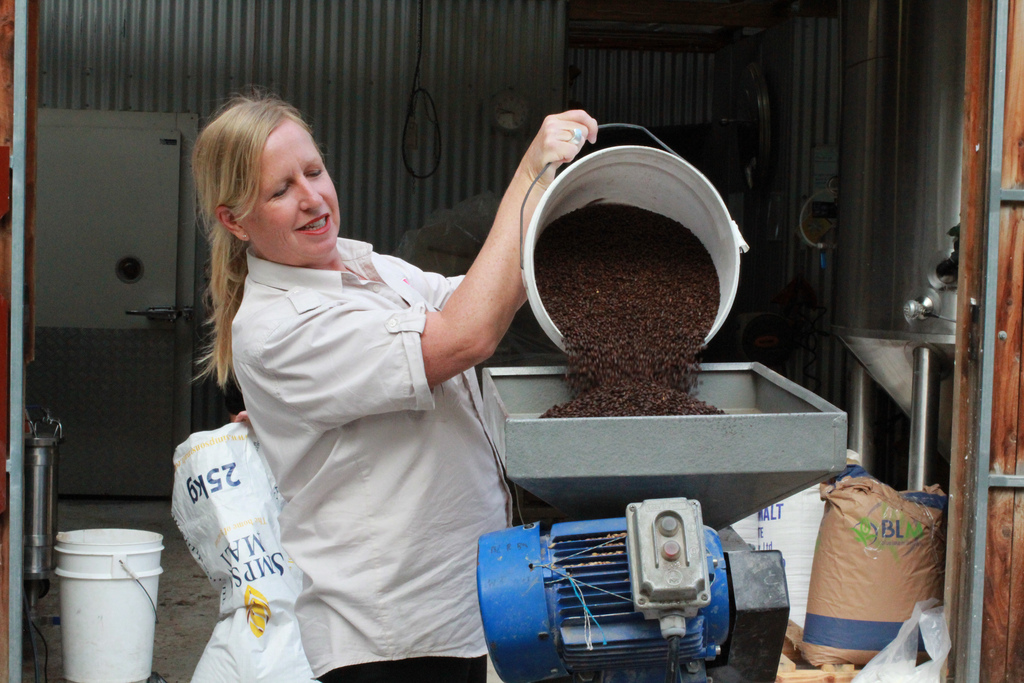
column 104, row 537
column 106, row 576
column 64, row 550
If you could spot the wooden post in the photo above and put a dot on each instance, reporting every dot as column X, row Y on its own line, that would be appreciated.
column 1002, row 637
column 7, row 14
column 967, row 370
column 6, row 138
column 1002, row 633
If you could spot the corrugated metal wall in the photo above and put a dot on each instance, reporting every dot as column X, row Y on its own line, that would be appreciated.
column 645, row 88
column 348, row 65
column 812, row 85
column 801, row 61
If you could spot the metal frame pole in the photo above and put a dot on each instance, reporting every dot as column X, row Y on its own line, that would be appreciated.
column 16, row 503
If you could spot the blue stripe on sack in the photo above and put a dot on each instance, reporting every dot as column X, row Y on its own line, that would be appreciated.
column 852, row 634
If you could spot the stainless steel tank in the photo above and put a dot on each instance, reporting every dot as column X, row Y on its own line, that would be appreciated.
column 900, row 164
column 40, row 528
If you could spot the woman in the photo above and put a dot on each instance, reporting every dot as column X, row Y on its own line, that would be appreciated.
column 357, row 372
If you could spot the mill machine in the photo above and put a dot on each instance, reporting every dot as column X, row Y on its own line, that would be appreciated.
column 647, row 582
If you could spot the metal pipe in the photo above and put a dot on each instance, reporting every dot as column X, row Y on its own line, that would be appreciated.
column 860, row 408
column 40, row 493
column 924, row 417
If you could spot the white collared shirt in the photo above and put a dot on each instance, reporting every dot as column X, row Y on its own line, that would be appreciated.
column 388, row 484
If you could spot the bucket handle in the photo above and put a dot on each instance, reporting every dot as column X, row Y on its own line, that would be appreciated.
column 124, row 565
column 629, row 126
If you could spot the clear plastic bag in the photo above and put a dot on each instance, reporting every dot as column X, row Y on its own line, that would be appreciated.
column 897, row 662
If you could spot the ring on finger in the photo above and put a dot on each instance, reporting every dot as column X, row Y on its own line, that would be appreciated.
column 577, row 136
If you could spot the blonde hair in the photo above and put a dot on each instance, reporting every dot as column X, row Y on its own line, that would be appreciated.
column 226, row 163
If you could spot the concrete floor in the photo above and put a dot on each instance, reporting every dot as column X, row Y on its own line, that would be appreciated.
column 187, row 604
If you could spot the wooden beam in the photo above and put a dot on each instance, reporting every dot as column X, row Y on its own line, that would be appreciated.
column 967, row 369
column 7, row 13
column 822, row 9
column 733, row 15
column 1003, row 602
column 1004, row 596
column 682, row 12
column 617, row 39
column 32, row 94
column 6, row 138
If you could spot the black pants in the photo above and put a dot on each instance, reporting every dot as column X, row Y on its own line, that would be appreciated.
column 418, row 670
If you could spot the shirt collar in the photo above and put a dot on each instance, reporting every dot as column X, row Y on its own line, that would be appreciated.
column 355, row 255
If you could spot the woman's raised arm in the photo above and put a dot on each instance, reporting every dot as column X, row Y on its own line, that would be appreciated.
column 477, row 315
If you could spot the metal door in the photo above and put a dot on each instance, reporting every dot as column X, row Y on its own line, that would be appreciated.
column 111, row 312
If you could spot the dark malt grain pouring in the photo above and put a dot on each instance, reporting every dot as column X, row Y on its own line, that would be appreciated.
column 634, row 294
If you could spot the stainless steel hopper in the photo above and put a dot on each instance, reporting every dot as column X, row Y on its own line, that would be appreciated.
column 775, row 439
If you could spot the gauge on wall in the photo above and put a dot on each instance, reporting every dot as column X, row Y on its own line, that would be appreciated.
column 509, row 111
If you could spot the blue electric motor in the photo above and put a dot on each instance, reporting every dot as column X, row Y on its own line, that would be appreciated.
column 625, row 600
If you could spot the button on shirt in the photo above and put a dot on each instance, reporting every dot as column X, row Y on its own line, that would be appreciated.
column 388, row 484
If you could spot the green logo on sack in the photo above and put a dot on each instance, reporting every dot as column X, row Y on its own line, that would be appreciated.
column 865, row 532
column 889, row 533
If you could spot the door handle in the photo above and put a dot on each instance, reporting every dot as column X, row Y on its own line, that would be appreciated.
column 164, row 313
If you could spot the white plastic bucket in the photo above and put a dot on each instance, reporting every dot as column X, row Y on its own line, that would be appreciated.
column 650, row 179
column 108, row 590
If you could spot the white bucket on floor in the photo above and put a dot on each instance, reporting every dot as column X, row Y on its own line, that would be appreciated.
column 108, row 591
column 650, row 179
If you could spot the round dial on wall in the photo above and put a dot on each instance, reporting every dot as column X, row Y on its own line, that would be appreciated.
column 509, row 111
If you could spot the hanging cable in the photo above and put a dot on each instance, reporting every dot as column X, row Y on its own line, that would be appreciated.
column 429, row 108
column 33, row 631
column 672, row 668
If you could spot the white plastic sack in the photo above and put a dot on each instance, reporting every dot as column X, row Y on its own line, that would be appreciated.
column 791, row 527
column 226, row 505
column 897, row 662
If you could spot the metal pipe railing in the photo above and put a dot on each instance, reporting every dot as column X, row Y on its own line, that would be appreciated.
column 924, row 418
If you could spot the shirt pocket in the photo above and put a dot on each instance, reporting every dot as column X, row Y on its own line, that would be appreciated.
column 446, row 399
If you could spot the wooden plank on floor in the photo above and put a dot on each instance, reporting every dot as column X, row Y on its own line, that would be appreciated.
column 827, row 673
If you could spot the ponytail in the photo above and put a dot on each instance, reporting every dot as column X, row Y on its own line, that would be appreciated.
column 226, row 166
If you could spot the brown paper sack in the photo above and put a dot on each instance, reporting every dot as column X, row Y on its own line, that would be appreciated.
column 878, row 553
